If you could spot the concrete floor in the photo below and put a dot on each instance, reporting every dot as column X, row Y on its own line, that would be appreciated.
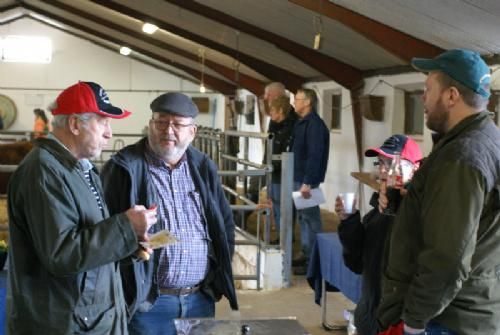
column 296, row 301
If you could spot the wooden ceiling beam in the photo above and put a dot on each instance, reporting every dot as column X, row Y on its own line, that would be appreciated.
column 400, row 44
column 217, row 84
column 8, row 7
column 344, row 74
column 274, row 73
column 253, row 85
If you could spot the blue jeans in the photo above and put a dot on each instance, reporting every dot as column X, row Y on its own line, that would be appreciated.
column 310, row 225
column 159, row 320
column 275, row 195
column 434, row 328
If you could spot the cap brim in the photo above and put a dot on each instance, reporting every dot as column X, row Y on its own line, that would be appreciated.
column 114, row 112
column 373, row 152
column 425, row 64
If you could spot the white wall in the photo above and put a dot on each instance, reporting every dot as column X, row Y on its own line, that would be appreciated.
column 130, row 84
column 342, row 142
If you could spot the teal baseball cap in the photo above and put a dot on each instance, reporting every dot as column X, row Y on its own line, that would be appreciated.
column 465, row 66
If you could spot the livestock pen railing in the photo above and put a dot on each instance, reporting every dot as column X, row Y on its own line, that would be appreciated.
column 242, row 179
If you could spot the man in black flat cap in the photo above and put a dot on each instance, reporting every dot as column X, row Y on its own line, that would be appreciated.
column 182, row 280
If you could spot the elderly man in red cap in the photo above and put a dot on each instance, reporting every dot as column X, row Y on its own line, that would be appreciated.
column 63, row 276
column 184, row 279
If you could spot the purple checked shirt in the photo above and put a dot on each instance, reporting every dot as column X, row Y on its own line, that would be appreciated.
column 183, row 264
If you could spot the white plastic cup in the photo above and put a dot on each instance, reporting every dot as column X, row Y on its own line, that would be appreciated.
column 348, row 201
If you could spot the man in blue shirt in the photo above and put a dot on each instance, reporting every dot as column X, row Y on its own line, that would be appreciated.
column 311, row 142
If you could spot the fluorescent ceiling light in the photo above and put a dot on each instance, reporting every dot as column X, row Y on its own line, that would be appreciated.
column 125, row 51
column 26, row 49
column 149, row 28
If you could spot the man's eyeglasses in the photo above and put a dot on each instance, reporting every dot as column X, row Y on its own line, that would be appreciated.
column 176, row 126
column 385, row 162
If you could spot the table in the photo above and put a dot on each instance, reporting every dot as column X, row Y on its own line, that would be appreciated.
column 327, row 272
column 288, row 326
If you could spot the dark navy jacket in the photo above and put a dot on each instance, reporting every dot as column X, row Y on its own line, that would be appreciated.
column 311, row 146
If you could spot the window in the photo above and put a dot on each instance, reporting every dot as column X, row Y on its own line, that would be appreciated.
column 414, row 113
column 494, row 104
column 26, row 49
column 336, row 120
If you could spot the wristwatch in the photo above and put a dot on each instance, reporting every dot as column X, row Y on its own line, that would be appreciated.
column 307, row 185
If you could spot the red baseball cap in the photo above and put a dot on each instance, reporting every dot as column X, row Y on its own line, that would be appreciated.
column 87, row 97
column 406, row 146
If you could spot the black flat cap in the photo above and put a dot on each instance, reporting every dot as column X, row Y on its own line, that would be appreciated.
column 175, row 103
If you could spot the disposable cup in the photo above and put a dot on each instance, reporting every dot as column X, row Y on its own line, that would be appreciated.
column 348, row 200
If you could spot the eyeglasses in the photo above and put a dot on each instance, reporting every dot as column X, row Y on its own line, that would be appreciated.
column 385, row 162
column 176, row 126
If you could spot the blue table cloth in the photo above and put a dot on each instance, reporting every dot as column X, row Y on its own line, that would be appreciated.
column 3, row 285
column 326, row 263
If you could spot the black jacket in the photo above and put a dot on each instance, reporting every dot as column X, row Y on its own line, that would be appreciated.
column 282, row 141
column 363, row 249
column 127, row 182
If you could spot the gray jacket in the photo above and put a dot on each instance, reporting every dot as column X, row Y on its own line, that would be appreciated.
column 444, row 251
column 63, row 278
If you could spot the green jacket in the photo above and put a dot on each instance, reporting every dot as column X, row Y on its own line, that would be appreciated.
column 62, row 277
column 444, row 251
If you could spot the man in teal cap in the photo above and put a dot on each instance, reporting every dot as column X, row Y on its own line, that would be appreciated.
column 443, row 266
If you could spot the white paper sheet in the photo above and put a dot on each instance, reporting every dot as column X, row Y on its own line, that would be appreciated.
column 317, row 198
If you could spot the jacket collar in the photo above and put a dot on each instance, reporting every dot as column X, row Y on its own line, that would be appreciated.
column 466, row 124
column 309, row 116
column 56, row 149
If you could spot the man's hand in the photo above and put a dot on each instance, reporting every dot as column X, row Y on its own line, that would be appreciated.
column 383, row 201
column 305, row 190
column 339, row 208
column 141, row 219
column 382, row 197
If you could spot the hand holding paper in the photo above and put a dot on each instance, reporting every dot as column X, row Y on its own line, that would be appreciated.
column 317, row 198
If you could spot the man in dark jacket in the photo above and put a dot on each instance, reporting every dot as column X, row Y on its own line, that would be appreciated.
column 63, row 275
column 183, row 279
column 443, row 271
column 311, row 147
column 363, row 241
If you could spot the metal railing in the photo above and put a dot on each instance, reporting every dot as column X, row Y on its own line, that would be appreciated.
column 235, row 169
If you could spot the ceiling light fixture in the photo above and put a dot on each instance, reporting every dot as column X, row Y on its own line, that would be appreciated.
column 318, row 27
column 125, row 51
column 149, row 28
column 201, row 53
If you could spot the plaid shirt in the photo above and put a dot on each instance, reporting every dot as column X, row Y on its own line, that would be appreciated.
column 183, row 264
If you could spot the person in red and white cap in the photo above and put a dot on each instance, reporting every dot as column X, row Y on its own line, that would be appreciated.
column 363, row 239
column 64, row 247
